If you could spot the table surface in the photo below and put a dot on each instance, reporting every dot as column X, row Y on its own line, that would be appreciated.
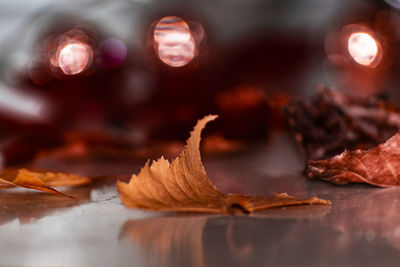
column 361, row 228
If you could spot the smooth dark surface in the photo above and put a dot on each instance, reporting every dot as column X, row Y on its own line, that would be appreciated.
column 361, row 228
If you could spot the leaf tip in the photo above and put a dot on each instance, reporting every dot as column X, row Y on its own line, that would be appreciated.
column 210, row 117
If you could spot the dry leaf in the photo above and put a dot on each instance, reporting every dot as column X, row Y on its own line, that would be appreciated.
column 42, row 181
column 183, row 186
column 379, row 166
column 333, row 121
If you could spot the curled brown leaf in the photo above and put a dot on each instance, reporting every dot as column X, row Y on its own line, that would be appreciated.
column 183, row 186
column 379, row 166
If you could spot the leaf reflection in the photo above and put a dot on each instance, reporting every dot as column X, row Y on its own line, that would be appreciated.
column 377, row 215
column 184, row 240
column 162, row 235
column 28, row 206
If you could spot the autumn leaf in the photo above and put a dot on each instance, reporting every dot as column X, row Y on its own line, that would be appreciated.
column 333, row 121
column 42, row 181
column 183, row 186
column 379, row 166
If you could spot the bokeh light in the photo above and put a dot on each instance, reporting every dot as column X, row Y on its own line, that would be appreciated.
column 175, row 44
column 24, row 106
column 74, row 58
column 71, row 53
column 356, row 59
column 363, row 48
column 113, row 53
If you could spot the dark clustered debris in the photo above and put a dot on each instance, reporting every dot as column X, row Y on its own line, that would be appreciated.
column 332, row 121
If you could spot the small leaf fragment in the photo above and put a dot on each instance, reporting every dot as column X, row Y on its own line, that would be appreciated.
column 379, row 166
column 42, row 181
column 6, row 184
column 183, row 186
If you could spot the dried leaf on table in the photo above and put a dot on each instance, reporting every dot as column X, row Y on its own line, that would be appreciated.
column 183, row 186
column 42, row 181
column 379, row 166
column 333, row 121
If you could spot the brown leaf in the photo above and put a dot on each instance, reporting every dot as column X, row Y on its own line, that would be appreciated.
column 333, row 121
column 42, row 181
column 183, row 186
column 379, row 166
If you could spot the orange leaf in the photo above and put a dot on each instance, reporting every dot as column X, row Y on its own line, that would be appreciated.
column 183, row 186
column 42, row 181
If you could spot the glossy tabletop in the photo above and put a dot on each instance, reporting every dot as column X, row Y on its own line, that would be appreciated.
column 361, row 228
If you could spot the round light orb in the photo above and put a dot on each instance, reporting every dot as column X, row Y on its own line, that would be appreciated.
column 363, row 48
column 175, row 44
column 113, row 53
column 74, row 58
